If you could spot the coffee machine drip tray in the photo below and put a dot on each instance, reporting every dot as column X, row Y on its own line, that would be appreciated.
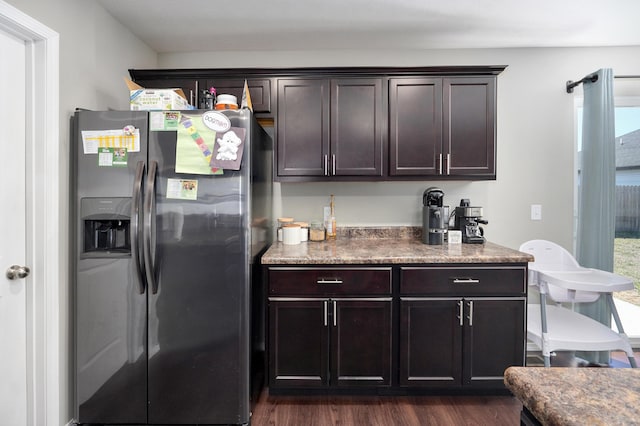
column 473, row 239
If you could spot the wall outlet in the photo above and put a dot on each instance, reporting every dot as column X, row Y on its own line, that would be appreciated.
column 536, row 212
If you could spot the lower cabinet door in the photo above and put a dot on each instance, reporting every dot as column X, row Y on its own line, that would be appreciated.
column 298, row 343
column 360, row 342
column 431, row 342
column 494, row 339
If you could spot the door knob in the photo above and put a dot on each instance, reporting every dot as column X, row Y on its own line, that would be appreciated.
column 16, row 272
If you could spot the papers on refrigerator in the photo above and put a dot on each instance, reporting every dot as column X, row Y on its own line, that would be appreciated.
column 182, row 189
column 94, row 139
column 206, row 149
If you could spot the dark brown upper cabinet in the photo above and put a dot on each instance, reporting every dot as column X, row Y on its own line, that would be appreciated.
column 469, row 130
column 329, row 128
column 442, row 127
column 415, row 126
column 259, row 90
column 364, row 123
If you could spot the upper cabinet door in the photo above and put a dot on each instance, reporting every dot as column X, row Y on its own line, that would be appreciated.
column 415, row 126
column 469, row 126
column 303, row 127
column 356, row 127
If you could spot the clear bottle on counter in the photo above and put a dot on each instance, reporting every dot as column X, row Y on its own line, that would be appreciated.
column 331, row 223
column 316, row 231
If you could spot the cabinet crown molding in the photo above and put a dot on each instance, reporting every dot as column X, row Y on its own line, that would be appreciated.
column 458, row 70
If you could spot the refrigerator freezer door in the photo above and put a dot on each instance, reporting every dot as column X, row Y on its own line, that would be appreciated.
column 110, row 301
column 198, row 318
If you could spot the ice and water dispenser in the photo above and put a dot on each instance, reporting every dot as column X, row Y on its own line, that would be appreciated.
column 106, row 227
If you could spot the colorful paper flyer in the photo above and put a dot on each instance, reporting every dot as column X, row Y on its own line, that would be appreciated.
column 194, row 146
column 162, row 121
column 94, row 139
column 182, row 189
column 112, row 157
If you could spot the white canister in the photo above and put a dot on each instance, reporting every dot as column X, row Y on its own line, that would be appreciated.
column 291, row 234
column 455, row 237
column 304, row 231
column 281, row 222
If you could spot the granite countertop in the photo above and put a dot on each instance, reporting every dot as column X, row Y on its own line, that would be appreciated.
column 578, row 396
column 388, row 245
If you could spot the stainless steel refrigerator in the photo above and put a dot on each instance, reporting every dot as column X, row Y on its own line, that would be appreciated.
column 167, row 289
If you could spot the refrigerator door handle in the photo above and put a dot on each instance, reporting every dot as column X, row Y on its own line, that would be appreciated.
column 149, row 201
column 135, row 221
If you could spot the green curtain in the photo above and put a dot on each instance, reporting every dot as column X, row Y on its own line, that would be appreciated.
column 596, row 190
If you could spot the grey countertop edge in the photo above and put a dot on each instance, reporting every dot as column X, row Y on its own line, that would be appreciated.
column 389, row 251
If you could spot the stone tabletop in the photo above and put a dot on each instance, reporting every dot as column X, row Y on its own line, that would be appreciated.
column 578, row 396
column 392, row 245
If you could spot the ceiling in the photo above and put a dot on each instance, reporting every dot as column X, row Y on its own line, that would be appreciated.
column 214, row 25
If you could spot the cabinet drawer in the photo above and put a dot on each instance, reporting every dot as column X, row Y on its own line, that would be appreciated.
column 463, row 281
column 329, row 281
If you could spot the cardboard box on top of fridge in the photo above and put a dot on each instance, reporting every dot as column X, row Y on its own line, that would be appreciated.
column 143, row 99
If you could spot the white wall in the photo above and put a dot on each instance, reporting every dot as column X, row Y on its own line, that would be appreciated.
column 95, row 54
column 535, row 137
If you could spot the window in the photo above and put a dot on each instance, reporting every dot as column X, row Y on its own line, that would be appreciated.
column 627, row 234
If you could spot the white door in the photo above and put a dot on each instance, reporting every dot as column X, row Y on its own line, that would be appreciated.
column 13, row 292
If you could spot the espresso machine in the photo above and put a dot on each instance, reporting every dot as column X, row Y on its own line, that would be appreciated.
column 468, row 220
column 435, row 216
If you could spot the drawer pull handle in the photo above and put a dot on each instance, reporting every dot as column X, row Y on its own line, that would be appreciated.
column 466, row 281
column 329, row 281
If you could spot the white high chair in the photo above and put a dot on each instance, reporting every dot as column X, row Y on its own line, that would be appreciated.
column 558, row 276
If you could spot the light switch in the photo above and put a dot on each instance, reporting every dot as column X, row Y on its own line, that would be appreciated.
column 536, row 212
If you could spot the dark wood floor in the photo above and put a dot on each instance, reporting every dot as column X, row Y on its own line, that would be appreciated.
column 392, row 410
column 385, row 411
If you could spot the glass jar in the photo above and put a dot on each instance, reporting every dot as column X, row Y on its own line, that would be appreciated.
column 316, row 231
